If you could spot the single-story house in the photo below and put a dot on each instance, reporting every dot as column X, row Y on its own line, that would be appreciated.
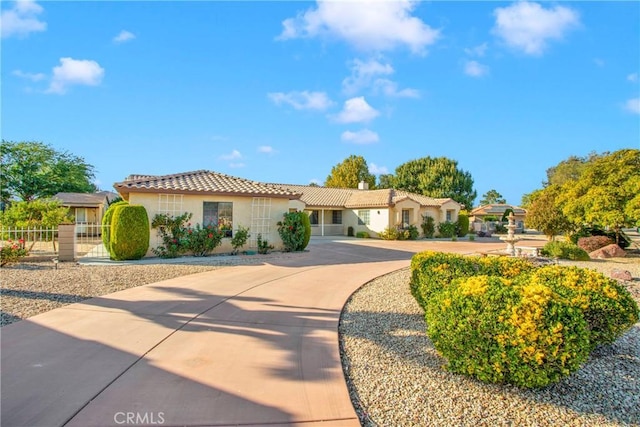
column 497, row 210
column 214, row 198
column 333, row 210
column 86, row 208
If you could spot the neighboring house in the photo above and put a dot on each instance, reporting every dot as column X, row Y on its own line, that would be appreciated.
column 86, row 208
column 214, row 198
column 333, row 210
column 497, row 210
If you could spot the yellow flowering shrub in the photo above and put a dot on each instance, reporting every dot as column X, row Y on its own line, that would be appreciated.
column 498, row 331
column 607, row 306
column 506, row 320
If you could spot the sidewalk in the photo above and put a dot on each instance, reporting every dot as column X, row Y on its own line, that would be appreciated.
column 243, row 345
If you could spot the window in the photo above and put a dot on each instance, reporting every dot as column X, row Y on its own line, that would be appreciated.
column 170, row 204
column 313, row 218
column 405, row 218
column 336, row 217
column 364, row 217
column 218, row 214
column 450, row 215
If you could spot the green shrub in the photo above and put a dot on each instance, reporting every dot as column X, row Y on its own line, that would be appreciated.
column 173, row 233
column 294, row 232
column 106, row 222
column 433, row 271
column 593, row 243
column 12, row 252
column 608, row 307
column 362, row 235
column 447, row 229
column 389, row 233
column 413, row 232
column 263, row 245
column 564, row 250
column 495, row 331
column 201, row 241
column 462, row 225
column 240, row 238
column 129, row 238
column 428, row 226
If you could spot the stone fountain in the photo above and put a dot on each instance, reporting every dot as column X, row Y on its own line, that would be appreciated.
column 510, row 239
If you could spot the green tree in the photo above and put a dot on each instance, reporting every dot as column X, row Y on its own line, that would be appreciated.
column 349, row 173
column 32, row 170
column 569, row 170
column 491, row 197
column 527, row 199
column 38, row 213
column 436, row 177
column 545, row 213
column 385, row 181
column 606, row 193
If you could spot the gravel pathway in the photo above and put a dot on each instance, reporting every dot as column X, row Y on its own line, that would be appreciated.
column 395, row 375
column 33, row 288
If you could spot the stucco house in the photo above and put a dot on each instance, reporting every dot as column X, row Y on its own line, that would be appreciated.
column 86, row 208
column 497, row 210
column 213, row 197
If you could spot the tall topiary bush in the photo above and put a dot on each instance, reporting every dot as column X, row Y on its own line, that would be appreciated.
column 462, row 225
column 129, row 232
column 106, row 223
column 428, row 226
column 306, row 223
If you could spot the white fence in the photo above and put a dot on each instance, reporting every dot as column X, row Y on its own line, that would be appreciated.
column 39, row 241
column 89, row 240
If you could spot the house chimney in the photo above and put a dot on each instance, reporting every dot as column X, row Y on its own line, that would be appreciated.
column 362, row 185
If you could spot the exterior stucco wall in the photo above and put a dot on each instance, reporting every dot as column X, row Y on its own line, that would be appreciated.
column 242, row 215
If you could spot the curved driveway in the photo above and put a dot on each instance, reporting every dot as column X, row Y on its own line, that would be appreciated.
column 244, row 345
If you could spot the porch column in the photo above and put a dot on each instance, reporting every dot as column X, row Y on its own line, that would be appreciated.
column 322, row 223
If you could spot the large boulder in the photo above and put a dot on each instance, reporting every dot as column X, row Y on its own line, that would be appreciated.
column 609, row 251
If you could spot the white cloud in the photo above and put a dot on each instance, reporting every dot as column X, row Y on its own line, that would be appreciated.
column 475, row 69
column 479, row 50
column 124, row 36
column 390, row 88
column 267, row 149
column 34, row 77
column 363, row 74
column 378, row 170
column 633, row 77
column 304, row 100
column 22, row 19
column 356, row 110
column 364, row 136
column 234, row 155
column 366, row 74
column 315, row 181
column 367, row 25
column 527, row 26
column 633, row 105
column 75, row 72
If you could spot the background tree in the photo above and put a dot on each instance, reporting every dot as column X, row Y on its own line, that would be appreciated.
column 349, row 173
column 569, row 170
column 606, row 193
column 545, row 213
column 491, row 197
column 436, row 177
column 527, row 199
column 32, row 170
column 35, row 214
column 385, row 181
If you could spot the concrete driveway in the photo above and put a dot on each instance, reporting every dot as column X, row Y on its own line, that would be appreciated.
column 244, row 345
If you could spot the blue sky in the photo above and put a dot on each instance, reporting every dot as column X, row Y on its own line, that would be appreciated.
column 283, row 91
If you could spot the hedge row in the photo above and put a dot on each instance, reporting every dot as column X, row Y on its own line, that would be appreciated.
column 505, row 320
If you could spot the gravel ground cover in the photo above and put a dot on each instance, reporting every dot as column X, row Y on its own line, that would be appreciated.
column 395, row 375
column 36, row 287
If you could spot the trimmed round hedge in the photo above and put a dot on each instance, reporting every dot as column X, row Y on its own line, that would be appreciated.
column 497, row 331
column 129, row 232
column 106, row 223
column 505, row 320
